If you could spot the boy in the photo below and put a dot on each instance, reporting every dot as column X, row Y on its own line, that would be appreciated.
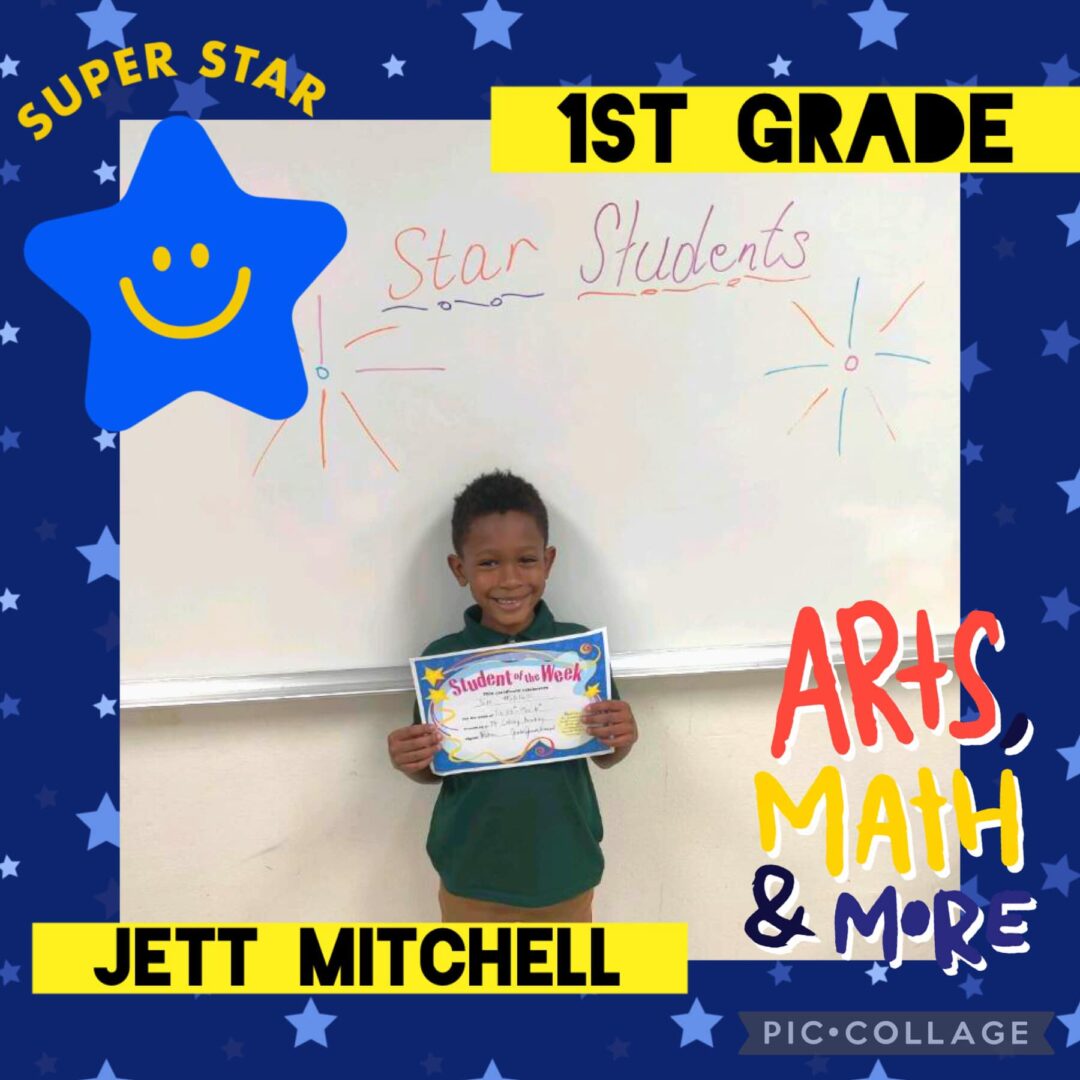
column 516, row 844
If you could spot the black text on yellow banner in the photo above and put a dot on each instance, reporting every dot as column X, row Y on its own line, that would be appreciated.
column 291, row 958
column 792, row 129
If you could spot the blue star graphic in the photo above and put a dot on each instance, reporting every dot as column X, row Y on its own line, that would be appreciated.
column 972, row 452
column 192, row 98
column 673, row 73
column 779, row 66
column 1072, row 1025
column 153, row 275
column 618, row 1049
column 780, row 973
column 970, row 889
column 9, row 706
column 9, row 173
column 973, row 81
column 310, row 1024
column 970, row 365
column 1059, row 73
column 1059, row 609
column 9, row 335
column 394, row 66
column 1059, row 342
column 44, row 1063
column 1070, row 753
column 106, row 706
column 106, row 440
column 103, row 823
column 972, row 987
column 9, row 439
column 1072, row 489
column 109, row 632
column 696, row 1025
column 1059, row 875
column 587, row 81
column 46, row 797
column 1070, row 221
column 104, row 557
column 8, row 868
column 117, row 99
column 492, row 24
column 9, row 601
column 878, row 23
column 1006, row 249
column 878, row 1073
column 293, row 73
column 109, row 898
column 9, row 67
column 9, row 972
column 491, row 1073
column 972, row 185
column 105, row 1073
column 105, row 172
column 106, row 24
column 877, row 973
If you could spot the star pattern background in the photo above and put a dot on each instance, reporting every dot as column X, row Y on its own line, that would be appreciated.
column 59, row 631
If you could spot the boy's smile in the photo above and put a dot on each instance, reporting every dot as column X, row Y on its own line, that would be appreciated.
column 505, row 562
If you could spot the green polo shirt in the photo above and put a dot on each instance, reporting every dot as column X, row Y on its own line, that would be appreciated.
column 526, row 836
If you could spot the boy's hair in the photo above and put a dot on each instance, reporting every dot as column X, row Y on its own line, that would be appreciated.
column 496, row 493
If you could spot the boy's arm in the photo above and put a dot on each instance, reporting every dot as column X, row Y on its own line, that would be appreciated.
column 613, row 723
column 424, row 776
column 413, row 748
column 605, row 761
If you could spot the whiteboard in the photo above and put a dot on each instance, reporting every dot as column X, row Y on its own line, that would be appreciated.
column 699, row 495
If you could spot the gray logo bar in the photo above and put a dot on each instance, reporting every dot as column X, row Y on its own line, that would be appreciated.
column 956, row 1033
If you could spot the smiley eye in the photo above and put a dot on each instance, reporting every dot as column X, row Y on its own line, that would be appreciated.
column 161, row 258
column 200, row 255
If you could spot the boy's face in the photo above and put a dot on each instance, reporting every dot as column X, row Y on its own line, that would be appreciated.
column 505, row 563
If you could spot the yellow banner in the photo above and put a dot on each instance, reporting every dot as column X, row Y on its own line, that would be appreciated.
column 373, row 958
column 785, row 129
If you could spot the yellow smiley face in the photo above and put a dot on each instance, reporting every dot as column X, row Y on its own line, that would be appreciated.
column 200, row 256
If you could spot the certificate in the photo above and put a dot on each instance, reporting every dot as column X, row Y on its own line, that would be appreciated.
column 513, row 704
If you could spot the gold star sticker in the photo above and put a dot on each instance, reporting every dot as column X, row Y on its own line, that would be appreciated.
column 433, row 676
column 436, row 695
column 592, row 691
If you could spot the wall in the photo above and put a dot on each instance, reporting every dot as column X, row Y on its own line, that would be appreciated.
column 672, row 464
column 290, row 811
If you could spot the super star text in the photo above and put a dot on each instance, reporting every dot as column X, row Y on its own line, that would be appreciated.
column 244, row 64
column 954, row 918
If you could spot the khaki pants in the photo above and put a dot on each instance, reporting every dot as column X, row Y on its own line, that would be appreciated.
column 463, row 909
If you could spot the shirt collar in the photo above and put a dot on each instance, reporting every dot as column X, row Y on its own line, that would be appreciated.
column 477, row 635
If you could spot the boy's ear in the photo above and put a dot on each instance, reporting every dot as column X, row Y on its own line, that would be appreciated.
column 549, row 559
column 457, row 568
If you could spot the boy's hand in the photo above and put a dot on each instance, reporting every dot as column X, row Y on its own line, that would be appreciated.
column 613, row 723
column 413, row 748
